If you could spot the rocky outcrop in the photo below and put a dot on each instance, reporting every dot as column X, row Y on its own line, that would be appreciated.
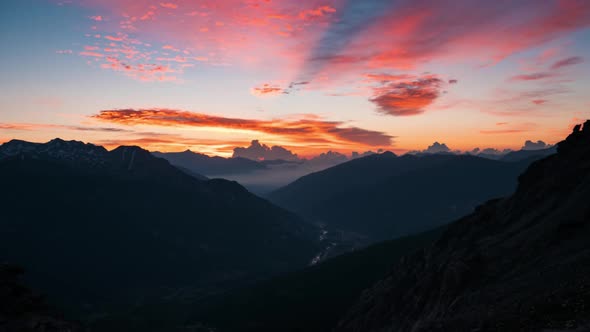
column 21, row 310
column 520, row 263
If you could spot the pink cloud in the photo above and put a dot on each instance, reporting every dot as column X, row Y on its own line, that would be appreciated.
column 533, row 76
column 316, row 12
column 168, row 5
column 92, row 54
column 567, row 62
column 113, row 38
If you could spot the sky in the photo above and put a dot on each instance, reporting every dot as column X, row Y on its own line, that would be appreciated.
column 307, row 75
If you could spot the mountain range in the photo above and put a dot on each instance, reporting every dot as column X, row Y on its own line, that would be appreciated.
column 94, row 226
column 383, row 196
column 517, row 263
column 259, row 176
column 124, row 241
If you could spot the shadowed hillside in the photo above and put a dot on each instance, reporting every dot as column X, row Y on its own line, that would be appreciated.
column 385, row 196
column 518, row 263
column 105, row 227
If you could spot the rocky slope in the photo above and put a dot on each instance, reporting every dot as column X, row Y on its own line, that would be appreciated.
column 521, row 263
column 21, row 310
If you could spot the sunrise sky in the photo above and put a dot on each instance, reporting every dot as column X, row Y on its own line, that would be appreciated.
column 308, row 75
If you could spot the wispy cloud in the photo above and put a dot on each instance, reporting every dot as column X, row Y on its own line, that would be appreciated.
column 270, row 89
column 38, row 126
column 533, row 76
column 303, row 129
column 567, row 62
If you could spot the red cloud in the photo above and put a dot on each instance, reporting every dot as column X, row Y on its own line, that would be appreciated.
column 97, row 18
column 169, row 5
column 305, row 130
column 409, row 97
column 317, row 12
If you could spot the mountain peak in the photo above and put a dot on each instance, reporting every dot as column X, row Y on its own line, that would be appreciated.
column 55, row 149
column 388, row 154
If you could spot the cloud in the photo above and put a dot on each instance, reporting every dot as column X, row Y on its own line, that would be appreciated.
column 257, row 151
column 270, row 89
column 538, row 145
column 567, row 62
column 533, row 76
column 39, row 126
column 92, row 54
column 437, row 147
column 492, row 151
column 96, row 18
column 113, row 38
column 306, row 39
column 143, row 72
column 330, row 158
column 504, row 131
column 303, row 130
column 407, row 34
column 539, row 101
column 317, row 12
column 404, row 98
column 294, row 85
column 267, row 90
column 384, row 78
column 168, row 5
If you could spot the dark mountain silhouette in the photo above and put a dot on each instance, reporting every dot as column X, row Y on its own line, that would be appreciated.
column 310, row 300
column 22, row 310
column 100, row 226
column 384, row 196
column 528, row 154
column 516, row 264
column 210, row 166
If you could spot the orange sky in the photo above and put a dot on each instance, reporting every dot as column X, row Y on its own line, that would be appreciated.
column 307, row 75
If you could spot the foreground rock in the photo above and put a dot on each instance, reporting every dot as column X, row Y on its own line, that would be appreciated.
column 21, row 310
column 516, row 264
